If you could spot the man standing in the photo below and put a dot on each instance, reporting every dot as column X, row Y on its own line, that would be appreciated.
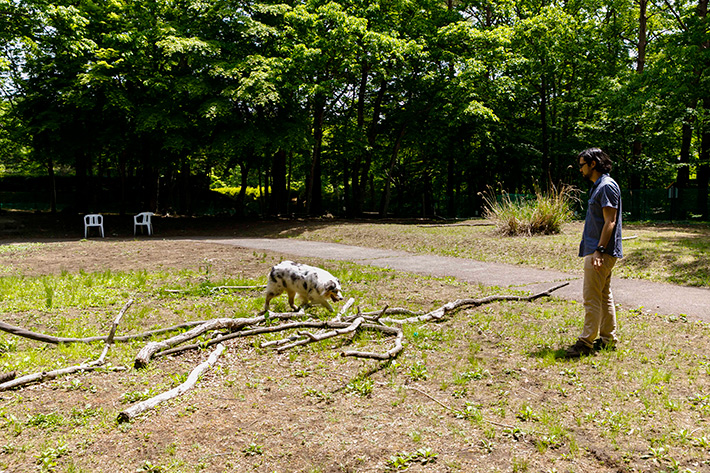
column 600, row 247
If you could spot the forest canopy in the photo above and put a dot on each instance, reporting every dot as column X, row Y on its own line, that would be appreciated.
column 393, row 107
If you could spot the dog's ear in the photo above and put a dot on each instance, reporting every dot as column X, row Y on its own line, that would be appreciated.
column 330, row 286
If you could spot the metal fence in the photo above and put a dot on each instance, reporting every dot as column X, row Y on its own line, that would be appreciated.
column 661, row 204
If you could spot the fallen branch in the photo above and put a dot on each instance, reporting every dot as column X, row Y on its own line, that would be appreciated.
column 439, row 313
column 235, row 288
column 476, row 224
column 153, row 348
column 214, row 289
column 5, row 377
column 40, row 337
column 90, row 366
column 240, row 334
column 112, row 333
column 454, row 410
column 339, row 325
column 143, row 406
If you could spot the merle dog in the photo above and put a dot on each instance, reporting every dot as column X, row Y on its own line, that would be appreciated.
column 313, row 285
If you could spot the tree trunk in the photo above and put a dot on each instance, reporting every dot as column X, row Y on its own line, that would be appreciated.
column 52, row 184
column 314, row 194
column 355, row 206
column 122, row 182
column 185, row 190
column 241, row 197
column 637, row 145
column 278, row 188
column 83, row 193
column 683, row 176
column 386, row 195
column 451, row 185
column 703, row 175
column 545, row 130
column 371, row 140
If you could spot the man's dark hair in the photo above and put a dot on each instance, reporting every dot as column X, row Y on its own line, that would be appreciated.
column 598, row 156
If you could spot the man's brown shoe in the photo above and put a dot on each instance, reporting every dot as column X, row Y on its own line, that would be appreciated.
column 600, row 344
column 578, row 349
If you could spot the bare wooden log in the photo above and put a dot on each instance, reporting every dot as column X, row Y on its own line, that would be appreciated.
column 393, row 311
column 178, row 340
column 143, row 406
column 47, row 375
column 344, row 310
column 342, row 328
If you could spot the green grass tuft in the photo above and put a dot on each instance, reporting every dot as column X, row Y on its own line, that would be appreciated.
column 545, row 214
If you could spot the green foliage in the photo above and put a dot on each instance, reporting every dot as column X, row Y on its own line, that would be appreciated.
column 403, row 461
column 361, row 386
column 442, row 99
column 253, row 449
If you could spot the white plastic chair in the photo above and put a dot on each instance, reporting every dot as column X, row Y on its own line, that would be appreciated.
column 93, row 220
column 143, row 219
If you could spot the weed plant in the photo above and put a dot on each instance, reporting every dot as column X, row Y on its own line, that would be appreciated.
column 545, row 214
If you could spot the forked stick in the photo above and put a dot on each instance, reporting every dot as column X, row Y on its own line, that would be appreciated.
column 143, row 406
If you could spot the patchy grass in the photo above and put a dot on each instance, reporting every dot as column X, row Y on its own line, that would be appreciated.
column 665, row 253
column 485, row 389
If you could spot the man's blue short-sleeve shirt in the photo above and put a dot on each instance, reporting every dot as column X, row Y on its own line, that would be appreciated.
column 604, row 193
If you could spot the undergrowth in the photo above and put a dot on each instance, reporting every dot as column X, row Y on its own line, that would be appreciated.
column 543, row 214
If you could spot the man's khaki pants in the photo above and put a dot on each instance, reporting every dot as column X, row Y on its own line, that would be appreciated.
column 599, row 310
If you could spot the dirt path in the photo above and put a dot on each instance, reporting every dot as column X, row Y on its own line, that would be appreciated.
column 653, row 297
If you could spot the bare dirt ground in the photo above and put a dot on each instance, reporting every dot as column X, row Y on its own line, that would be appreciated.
column 257, row 411
column 455, row 400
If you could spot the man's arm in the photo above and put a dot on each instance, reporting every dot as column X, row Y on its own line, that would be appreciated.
column 607, row 231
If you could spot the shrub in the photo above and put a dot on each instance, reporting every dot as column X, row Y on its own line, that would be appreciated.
column 543, row 214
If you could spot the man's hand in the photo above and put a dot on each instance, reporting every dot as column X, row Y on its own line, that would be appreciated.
column 597, row 260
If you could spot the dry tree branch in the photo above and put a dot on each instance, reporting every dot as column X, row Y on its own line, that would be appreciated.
column 454, row 410
column 389, row 354
column 167, row 346
column 240, row 334
column 215, row 289
column 309, row 337
column 222, row 288
column 40, row 337
column 439, row 313
column 112, row 333
column 339, row 325
column 143, row 406
column 90, row 366
column 151, row 348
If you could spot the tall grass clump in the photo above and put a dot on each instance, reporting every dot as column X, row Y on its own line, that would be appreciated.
column 543, row 214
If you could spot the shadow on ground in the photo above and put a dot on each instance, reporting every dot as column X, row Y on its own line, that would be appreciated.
column 20, row 227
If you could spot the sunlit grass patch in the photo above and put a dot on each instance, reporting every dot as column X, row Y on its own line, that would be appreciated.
column 486, row 380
